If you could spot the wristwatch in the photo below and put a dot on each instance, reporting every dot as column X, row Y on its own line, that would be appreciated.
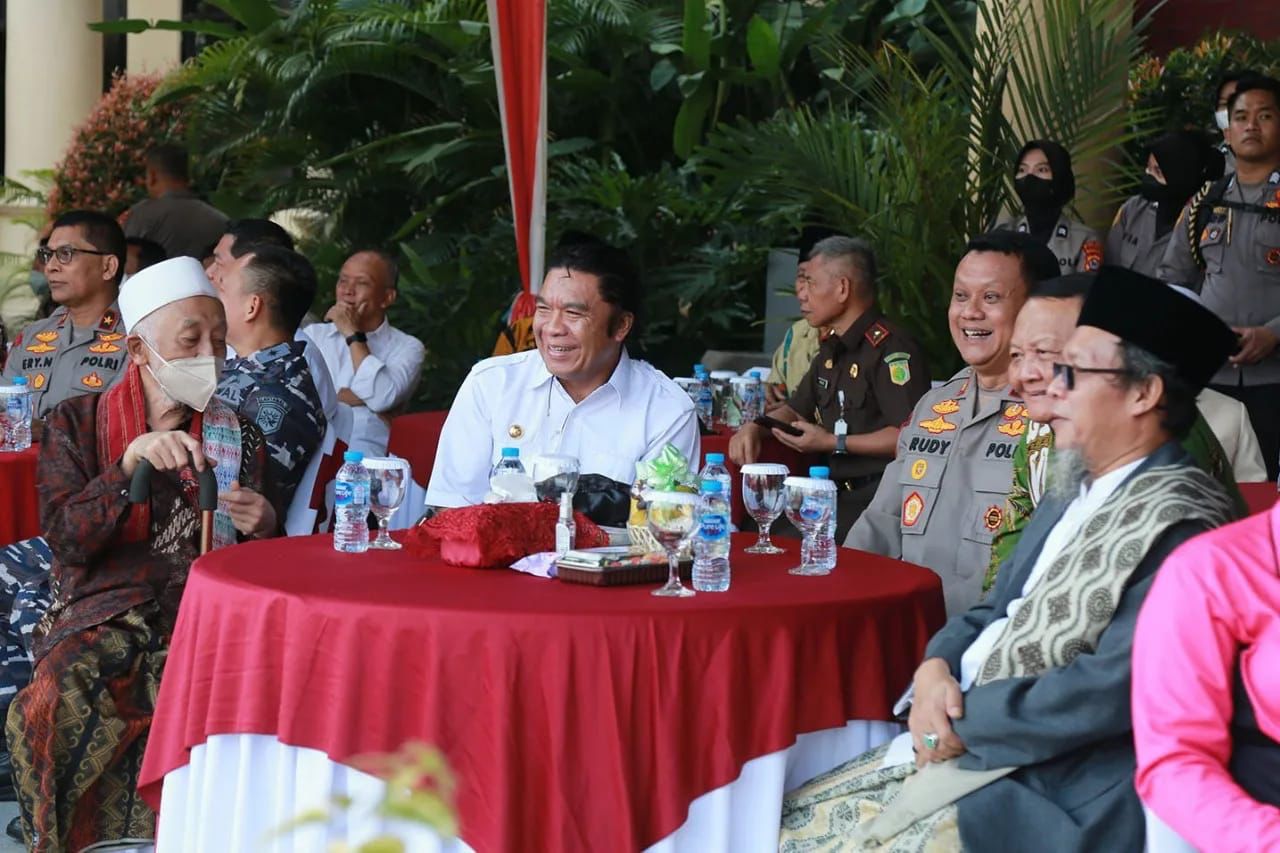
column 840, row 437
column 357, row 338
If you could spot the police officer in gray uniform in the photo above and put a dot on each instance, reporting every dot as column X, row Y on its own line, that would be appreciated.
column 1178, row 164
column 1046, row 184
column 941, row 499
column 265, row 292
column 79, row 348
column 1227, row 245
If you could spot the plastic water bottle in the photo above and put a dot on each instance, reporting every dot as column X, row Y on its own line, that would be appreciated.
column 711, row 547
column 508, row 466
column 351, row 505
column 825, row 552
column 706, row 400
column 714, row 469
column 15, row 415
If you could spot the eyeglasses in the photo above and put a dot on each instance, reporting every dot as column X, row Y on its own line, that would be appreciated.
column 64, row 254
column 1067, row 372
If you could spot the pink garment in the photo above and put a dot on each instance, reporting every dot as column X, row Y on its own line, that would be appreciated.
column 1216, row 594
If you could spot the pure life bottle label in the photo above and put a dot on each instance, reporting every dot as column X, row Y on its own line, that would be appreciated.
column 348, row 494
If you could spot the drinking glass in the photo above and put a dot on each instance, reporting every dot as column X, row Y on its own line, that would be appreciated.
column 672, row 517
column 388, row 479
column 554, row 474
column 763, row 498
column 808, row 503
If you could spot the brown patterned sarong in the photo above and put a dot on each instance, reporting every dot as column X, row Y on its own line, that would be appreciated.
column 823, row 814
column 78, row 731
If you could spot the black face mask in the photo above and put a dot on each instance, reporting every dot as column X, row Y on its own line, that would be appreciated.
column 1035, row 193
column 1153, row 190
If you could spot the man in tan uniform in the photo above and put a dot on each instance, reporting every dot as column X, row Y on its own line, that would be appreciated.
column 1226, row 245
column 79, row 348
column 941, row 499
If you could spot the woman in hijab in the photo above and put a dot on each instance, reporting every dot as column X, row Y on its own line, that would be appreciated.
column 1178, row 164
column 1045, row 185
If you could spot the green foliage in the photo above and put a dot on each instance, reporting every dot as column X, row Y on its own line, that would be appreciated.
column 1180, row 89
column 922, row 158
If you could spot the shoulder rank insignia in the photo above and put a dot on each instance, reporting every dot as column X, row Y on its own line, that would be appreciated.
column 108, row 320
column 899, row 367
column 876, row 334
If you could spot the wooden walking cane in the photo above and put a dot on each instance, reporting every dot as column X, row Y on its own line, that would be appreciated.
column 140, row 492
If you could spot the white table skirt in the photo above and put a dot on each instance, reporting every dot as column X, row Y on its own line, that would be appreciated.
column 238, row 791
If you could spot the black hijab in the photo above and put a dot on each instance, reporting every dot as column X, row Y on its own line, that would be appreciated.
column 1188, row 160
column 1043, row 201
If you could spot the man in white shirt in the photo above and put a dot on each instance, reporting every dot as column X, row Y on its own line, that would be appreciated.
column 1020, row 716
column 374, row 365
column 579, row 393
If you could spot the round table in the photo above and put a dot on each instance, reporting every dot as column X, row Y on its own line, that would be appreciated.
column 574, row 717
column 20, row 504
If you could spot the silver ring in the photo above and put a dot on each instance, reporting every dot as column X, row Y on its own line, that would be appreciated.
column 930, row 740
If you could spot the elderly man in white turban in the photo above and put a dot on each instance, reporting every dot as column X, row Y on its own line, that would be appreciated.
column 77, row 732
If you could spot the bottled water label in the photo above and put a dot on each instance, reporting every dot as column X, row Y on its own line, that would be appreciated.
column 349, row 494
column 714, row 527
column 814, row 510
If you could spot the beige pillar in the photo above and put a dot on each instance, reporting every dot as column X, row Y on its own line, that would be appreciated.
column 53, row 77
column 155, row 51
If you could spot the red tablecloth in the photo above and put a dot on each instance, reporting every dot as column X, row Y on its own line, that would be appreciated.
column 19, row 503
column 575, row 718
column 771, row 450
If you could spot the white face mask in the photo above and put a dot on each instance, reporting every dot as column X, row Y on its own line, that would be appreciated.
column 190, row 381
column 1223, row 119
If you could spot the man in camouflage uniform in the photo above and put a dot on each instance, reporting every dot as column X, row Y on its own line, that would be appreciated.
column 79, row 348
column 265, row 293
column 941, row 500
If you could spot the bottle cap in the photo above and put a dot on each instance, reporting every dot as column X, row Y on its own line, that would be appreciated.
column 820, row 472
column 510, row 453
column 713, row 486
column 19, row 380
column 698, row 368
column 715, row 458
column 353, row 456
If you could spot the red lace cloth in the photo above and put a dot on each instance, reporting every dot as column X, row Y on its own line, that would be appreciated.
column 496, row 535
column 574, row 717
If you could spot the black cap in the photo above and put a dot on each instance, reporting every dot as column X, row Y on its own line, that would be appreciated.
column 1166, row 322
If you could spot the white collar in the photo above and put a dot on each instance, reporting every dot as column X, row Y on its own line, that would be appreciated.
column 619, row 381
column 1102, row 488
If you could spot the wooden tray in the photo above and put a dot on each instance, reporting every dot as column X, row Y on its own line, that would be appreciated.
column 622, row 575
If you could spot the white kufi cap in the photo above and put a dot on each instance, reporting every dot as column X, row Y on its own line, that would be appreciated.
column 160, row 284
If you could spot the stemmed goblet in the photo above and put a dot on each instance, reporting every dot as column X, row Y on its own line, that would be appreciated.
column 762, row 495
column 554, row 474
column 388, row 479
column 673, row 517
column 809, row 502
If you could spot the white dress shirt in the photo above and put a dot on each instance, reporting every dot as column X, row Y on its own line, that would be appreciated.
column 1229, row 420
column 385, row 380
column 513, row 401
column 1092, row 497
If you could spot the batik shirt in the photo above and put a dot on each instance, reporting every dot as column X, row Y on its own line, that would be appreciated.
column 84, row 501
column 273, row 389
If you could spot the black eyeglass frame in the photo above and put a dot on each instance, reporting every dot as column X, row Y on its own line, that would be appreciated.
column 44, row 254
column 1068, row 372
